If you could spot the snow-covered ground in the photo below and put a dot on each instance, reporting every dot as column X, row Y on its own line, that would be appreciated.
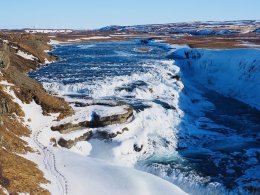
column 48, row 31
column 92, row 176
column 85, row 113
column 97, row 37
column 54, row 42
column 26, row 55
column 71, row 172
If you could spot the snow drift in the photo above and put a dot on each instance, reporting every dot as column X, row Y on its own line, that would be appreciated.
column 234, row 73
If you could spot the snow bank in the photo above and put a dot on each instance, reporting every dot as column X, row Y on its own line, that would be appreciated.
column 5, row 83
column 96, row 177
column 96, row 37
column 48, row 31
column 26, row 55
column 54, row 42
column 234, row 73
column 85, row 113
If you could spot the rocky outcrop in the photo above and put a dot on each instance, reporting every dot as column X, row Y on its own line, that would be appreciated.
column 4, row 56
column 4, row 106
column 176, row 77
column 7, row 106
column 69, row 127
column 70, row 143
column 138, row 148
column 16, row 171
column 104, row 135
column 97, row 121
column 14, row 67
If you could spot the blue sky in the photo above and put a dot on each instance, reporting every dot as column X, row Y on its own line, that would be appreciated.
column 82, row 14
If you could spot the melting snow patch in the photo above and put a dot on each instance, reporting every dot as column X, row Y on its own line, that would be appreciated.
column 96, row 37
column 26, row 56
column 5, row 83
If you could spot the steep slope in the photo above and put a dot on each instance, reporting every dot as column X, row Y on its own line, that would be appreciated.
column 233, row 73
column 17, row 174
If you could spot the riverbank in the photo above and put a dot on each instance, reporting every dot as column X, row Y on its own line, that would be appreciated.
column 27, row 106
column 19, row 54
column 23, row 97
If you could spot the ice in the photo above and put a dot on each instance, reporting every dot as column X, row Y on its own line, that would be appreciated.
column 234, row 73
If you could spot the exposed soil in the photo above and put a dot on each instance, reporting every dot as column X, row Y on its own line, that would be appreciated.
column 18, row 174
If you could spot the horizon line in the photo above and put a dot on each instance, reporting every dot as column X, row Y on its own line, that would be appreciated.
column 60, row 28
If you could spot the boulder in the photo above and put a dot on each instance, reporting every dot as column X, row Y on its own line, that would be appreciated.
column 70, row 143
column 138, row 148
column 104, row 135
column 4, row 57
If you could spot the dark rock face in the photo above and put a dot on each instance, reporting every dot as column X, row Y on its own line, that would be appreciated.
column 70, row 143
column 104, row 135
column 7, row 106
column 4, row 57
column 1, row 63
column 4, row 107
column 192, row 54
column 98, row 121
column 69, row 127
column 138, row 148
column 144, row 41
column 176, row 77
column 66, row 143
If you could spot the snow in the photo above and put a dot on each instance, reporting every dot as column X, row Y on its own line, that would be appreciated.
column 96, row 37
column 178, row 124
column 171, row 47
column 71, row 172
column 26, row 55
column 85, row 113
column 46, row 61
column 74, row 40
column 54, row 42
column 5, row 83
column 145, row 129
column 234, row 73
column 92, row 176
column 48, row 31
column 14, row 47
column 89, row 38
column 248, row 44
column 123, row 35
